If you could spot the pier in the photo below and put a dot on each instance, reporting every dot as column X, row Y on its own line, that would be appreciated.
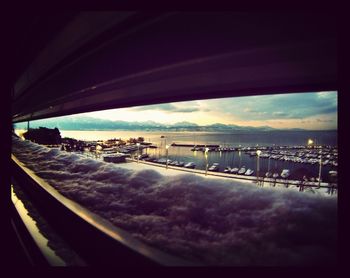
column 193, row 145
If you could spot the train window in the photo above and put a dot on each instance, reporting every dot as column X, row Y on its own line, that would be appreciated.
column 229, row 181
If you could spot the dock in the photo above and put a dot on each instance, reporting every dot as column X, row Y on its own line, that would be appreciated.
column 192, row 145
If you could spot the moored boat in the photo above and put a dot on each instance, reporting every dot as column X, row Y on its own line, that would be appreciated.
column 227, row 169
column 234, row 170
column 214, row 167
column 190, row 165
column 143, row 156
column 161, row 161
column 242, row 171
column 115, row 158
column 180, row 164
column 249, row 172
column 285, row 173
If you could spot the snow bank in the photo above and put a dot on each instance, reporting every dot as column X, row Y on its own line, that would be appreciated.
column 213, row 221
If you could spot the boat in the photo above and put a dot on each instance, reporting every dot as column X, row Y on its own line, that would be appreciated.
column 143, row 156
column 191, row 165
column 268, row 174
column 234, row 170
column 152, row 146
column 195, row 148
column 180, row 164
column 112, row 150
column 285, row 173
column 115, row 158
column 214, row 167
column 227, row 169
column 161, row 161
column 150, row 159
column 249, row 172
column 333, row 173
column 241, row 171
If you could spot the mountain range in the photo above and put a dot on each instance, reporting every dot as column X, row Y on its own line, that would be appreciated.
column 89, row 123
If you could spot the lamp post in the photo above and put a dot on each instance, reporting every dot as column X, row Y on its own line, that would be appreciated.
column 97, row 151
column 240, row 157
column 258, row 152
column 320, row 171
column 313, row 142
column 310, row 142
column 138, row 151
column 206, row 160
column 166, row 148
column 165, row 144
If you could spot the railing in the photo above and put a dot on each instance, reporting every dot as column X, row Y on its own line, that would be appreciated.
column 262, row 180
column 93, row 238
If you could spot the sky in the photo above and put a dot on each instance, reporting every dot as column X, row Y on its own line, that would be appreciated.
column 313, row 111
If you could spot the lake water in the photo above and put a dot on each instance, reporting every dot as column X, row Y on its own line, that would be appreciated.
column 229, row 139
column 233, row 159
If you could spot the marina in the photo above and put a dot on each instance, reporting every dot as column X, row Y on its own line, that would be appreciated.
column 291, row 156
column 286, row 164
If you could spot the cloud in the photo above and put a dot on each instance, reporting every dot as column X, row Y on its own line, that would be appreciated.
column 306, row 122
column 282, row 106
column 280, row 114
column 168, row 107
column 255, row 112
column 324, row 120
column 212, row 221
column 186, row 109
column 326, row 95
column 328, row 110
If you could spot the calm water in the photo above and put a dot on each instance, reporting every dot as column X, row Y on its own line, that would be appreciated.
column 247, row 139
column 233, row 159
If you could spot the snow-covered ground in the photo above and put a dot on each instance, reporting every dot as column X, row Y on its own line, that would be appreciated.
column 216, row 221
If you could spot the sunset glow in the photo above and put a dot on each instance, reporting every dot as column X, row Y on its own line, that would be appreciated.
column 314, row 111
